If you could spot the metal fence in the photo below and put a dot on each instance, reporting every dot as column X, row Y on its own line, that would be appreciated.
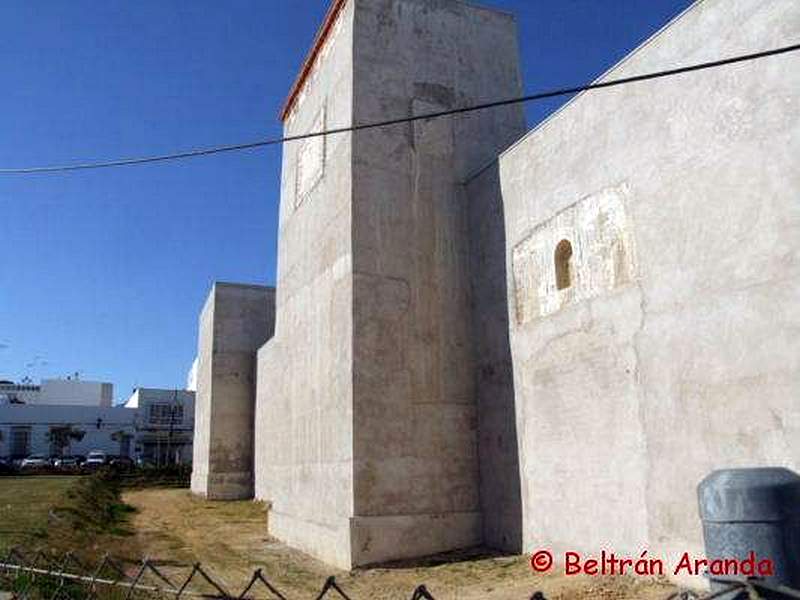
column 741, row 589
column 43, row 576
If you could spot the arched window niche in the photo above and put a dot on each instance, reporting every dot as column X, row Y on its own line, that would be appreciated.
column 563, row 265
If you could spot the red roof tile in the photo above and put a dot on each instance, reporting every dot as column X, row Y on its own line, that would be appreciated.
column 319, row 41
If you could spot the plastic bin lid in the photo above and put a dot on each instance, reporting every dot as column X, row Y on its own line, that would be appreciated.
column 754, row 495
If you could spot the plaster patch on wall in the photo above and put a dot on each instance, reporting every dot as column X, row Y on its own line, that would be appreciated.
column 603, row 255
column 310, row 160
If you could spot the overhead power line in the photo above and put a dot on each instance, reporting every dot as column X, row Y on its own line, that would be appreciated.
column 423, row 117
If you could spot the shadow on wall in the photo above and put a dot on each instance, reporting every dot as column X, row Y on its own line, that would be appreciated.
column 501, row 497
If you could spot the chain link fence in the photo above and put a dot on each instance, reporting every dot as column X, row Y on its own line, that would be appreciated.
column 40, row 576
column 43, row 576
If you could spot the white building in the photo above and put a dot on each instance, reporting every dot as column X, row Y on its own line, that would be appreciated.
column 73, row 392
column 64, row 417
column 60, row 392
column 55, row 430
column 164, row 424
column 19, row 392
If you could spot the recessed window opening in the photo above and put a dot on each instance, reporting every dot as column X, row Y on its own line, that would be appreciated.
column 563, row 262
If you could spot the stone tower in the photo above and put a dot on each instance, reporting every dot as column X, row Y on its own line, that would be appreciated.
column 366, row 428
column 235, row 321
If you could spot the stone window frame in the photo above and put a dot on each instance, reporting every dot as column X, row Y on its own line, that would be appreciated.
column 535, row 291
column 318, row 124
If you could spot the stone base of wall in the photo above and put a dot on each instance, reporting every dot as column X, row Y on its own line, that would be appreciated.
column 364, row 541
column 223, row 486
column 384, row 538
column 329, row 543
column 199, row 482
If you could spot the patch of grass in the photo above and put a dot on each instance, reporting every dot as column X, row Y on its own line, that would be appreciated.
column 60, row 514
column 173, row 476
column 82, row 515
column 231, row 539
column 25, row 505
column 93, row 505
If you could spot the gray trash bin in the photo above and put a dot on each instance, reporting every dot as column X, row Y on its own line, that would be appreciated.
column 756, row 510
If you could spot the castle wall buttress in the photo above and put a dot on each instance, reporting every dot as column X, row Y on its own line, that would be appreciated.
column 652, row 259
column 366, row 420
column 304, row 422
column 416, row 419
column 236, row 320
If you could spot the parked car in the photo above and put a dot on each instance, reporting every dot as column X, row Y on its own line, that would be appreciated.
column 144, row 463
column 67, row 463
column 35, row 461
column 121, row 463
column 95, row 459
column 6, row 468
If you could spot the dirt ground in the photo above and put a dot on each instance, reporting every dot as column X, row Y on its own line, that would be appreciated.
column 231, row 539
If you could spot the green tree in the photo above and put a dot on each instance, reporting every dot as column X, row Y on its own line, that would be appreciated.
column 123, row 438
column 60, row 437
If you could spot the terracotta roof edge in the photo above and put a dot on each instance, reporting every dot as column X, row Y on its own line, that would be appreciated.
column 308, row 64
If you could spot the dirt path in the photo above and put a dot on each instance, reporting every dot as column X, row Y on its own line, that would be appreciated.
column 231, row 538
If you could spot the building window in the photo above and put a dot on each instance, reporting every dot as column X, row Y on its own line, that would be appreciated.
column 563, row 264
column 164, row 414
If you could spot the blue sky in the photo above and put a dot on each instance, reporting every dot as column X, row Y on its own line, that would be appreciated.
column 104, row 272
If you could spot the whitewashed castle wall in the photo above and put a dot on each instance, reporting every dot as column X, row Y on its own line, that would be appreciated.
column 416, row 421
column 304, row 431
column 432, row 383
column 366, row 419
column 630, row 390
column 236, row 320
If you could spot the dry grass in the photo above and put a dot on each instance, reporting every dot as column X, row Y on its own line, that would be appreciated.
column 231, row 538
column 25, row 503
column 83, row 515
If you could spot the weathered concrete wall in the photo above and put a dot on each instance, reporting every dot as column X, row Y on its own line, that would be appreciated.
column 202, row 401
column 501, row 496
column 366, row 419
column 675, row 349
column 236, row 320
column 416, row 475
column 304, row 406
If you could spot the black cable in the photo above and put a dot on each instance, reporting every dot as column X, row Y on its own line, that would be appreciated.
column 432, row 115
